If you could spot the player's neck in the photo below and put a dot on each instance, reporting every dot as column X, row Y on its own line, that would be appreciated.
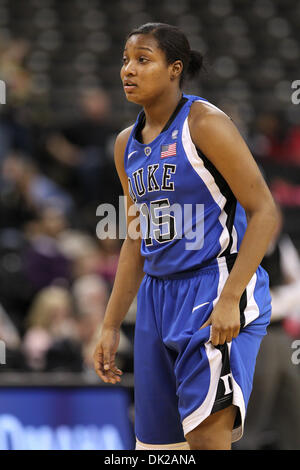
column 158, row 112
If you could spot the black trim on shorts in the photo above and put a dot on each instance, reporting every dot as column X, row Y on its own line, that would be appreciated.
column 223, row 401
column 243, row 299
column 243, row 305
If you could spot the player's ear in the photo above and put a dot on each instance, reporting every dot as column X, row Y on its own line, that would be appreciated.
column 176, row 69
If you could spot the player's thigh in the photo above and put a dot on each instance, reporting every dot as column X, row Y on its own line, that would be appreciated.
column 215, row 432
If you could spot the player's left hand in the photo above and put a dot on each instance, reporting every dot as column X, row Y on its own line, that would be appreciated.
column 224, row 321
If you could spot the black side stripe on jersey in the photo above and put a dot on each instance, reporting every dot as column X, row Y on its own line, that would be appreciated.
column 229, row 208
column 231, row 202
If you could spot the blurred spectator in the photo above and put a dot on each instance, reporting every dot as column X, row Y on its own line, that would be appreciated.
column 8, row 332
column 285, row 192
column 273, row 416
column 15, row 131
column 90, row 255
column 44, row 262
column 35, row 189
column 275, row 139
column 269, row 136
column 84, row 147
column 52, row 310
column 52, row 332
column 12, row 340
column 91, row 295
column 15, row 288
column 109, row 258
column 13, row 69
column 293, row 145
column 83, row 251
column 35, row 345
column 282, row 261
column 16, row 117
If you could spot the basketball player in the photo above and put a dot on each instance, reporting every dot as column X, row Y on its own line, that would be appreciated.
column 202, row 308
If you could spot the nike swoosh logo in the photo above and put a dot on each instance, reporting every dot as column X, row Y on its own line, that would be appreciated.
column 198, row 306
column 132, row 153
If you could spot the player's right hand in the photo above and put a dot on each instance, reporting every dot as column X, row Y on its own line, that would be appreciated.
column 104, row 356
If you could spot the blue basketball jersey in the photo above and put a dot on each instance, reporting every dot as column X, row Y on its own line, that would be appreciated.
column 189, row 216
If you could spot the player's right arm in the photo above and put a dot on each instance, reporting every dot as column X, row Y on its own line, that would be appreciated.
column 127, row 281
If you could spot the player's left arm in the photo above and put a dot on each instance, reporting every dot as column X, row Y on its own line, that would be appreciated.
column 217, row 137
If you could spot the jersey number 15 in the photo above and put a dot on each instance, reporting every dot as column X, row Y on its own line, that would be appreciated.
column 155, row 220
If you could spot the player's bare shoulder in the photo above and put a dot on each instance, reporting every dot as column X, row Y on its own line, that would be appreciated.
column 122, row 138
column 120, row 146
column 202, row 112
column 206, row 119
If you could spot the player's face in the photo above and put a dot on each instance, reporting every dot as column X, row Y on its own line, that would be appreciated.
column 145, row 73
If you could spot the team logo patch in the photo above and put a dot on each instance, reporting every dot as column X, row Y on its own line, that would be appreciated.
column 168, row 150
column 147, row 151
column 175, row 134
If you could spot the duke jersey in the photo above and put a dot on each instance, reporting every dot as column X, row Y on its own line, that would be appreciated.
column 189, row 216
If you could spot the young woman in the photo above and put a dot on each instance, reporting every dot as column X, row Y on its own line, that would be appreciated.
column 203, row 305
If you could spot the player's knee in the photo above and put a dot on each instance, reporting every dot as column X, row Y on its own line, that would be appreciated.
column 209, row 441
column 209, row 438
column 177, row 446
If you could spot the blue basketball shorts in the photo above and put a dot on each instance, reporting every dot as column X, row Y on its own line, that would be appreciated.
column 180, row 377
